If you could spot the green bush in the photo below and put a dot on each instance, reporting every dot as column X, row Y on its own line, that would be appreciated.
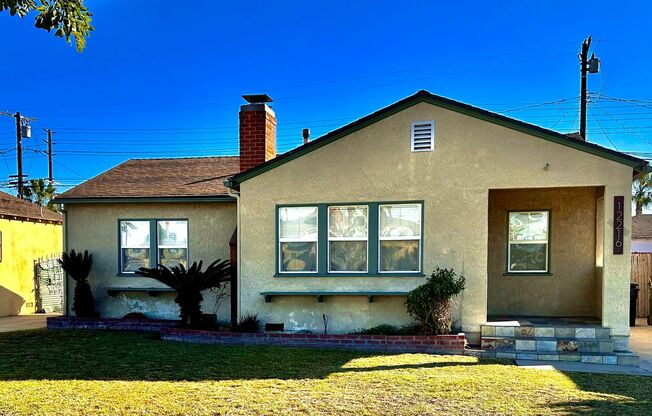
column 78, row 267
column 248, row 324
column 189, row 283
column 430, row 303
column 386, row 329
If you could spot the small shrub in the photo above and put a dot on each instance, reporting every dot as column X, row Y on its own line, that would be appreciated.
column 386, row 329
column 248, row 324
column 78, row 267
column 430, row 303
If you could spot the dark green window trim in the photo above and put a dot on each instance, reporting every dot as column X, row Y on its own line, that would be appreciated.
column 153, row 242
column 525, row 273
column 373, row 242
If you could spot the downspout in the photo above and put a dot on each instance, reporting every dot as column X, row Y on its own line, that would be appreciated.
column 238, row 229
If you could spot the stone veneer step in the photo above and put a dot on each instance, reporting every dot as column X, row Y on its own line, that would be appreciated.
column 547, row 344
column 626, row 359
column 531, row 331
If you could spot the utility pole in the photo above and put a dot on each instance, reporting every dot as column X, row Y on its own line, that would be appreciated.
column 590, row 66
column 19, row 154
column 50, row 175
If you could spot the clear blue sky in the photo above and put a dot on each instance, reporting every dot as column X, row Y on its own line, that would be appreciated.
column 160, row 80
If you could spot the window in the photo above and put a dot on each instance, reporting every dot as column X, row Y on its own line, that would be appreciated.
column 400, row 238
column 172, row 238
column 363, row 239
column 134, row 245
column 298, row 239
column 422, row 136
column 146, row 243
column 348, row 231
column 528, row 246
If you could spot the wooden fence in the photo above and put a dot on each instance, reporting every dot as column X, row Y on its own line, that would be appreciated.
column 641, row 273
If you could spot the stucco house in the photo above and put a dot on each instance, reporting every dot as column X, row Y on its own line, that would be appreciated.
column 345, row 225
column 27, row 233
column 642, row 233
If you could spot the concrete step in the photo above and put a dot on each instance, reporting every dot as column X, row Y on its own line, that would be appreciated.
column 546, row 331
column 614, row 358
column 547, row 344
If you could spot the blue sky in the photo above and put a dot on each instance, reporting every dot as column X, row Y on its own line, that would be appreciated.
column 158, row 80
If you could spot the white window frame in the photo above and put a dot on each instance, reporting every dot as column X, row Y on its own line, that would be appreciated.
column 159, row 246
column 149, row 247
column 511, row 242
column 401, row 238
column 432, row 138
column 282, row 240
column 358, row 239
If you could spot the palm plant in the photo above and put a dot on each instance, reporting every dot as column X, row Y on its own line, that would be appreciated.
column 642, row 193
column 78, row 267
column 189, row 283
column 40, row 193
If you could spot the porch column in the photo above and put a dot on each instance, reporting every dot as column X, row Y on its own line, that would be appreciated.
column 616, row 268
column 474, row 229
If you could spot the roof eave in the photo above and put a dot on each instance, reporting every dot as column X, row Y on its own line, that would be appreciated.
column 142, row 199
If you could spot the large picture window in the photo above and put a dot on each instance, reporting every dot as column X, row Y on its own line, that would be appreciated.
column 146, row 243
column 364, row 239
column 528, row 245
column 348, row 231
column 400, row 238
column 298, row 239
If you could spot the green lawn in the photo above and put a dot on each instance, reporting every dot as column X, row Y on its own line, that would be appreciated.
column 80, row 373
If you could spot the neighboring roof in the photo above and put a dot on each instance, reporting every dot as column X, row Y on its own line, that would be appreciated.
column 637, row 164
column 642, row 226
column 198, row 178
column 13, row 208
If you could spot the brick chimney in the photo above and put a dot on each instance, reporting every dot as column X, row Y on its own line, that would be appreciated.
column 257, row 131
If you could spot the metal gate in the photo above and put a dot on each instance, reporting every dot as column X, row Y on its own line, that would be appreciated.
column 49, row 282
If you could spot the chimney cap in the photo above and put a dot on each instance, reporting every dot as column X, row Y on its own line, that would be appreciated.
column 257, row 98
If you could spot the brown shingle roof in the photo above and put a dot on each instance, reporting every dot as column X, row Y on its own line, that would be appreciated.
column 159, row 178
column 642, row 226
column 14, row 208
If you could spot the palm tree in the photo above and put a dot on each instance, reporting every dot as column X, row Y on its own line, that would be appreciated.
column 40, row 193
column 642, row 193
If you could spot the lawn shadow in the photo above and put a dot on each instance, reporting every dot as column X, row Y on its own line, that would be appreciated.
column 617, row 395
column 105, row 355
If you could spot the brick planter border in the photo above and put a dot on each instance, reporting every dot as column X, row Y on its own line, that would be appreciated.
column 118, row 324
column 449, row 344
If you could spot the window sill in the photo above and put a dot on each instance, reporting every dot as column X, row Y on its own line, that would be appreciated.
column 529, row 274
column 282, row 275
column 121, row 274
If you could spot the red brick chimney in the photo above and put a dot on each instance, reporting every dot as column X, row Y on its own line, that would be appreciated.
column 257, row 131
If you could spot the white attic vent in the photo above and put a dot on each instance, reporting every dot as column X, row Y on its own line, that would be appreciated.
column 423, row 136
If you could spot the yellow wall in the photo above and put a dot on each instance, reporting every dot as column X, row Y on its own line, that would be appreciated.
column 22, row 243
column 94, row 227
column 471, row 157
column 569, row 290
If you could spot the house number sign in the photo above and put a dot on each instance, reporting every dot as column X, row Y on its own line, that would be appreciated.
column 619, row 216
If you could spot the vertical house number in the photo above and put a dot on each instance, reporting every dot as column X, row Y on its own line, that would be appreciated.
column 619, row 216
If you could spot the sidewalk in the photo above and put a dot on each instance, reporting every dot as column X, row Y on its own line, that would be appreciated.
column 641, row 343
column 24, row 322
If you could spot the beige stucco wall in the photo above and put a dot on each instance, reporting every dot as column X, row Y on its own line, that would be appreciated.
column 23, row 242
column 569, row 290
column 375, row 164
column 94, row 227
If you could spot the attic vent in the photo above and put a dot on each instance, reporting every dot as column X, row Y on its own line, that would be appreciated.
column 423, row 136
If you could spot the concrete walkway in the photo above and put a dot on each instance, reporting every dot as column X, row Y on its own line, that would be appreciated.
column 641, row 343
column 24, row 322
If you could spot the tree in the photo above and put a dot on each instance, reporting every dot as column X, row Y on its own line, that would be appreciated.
column 78, row 267
column 40, row 193
column 69, row 18
column 189, row 283
column 642, row 193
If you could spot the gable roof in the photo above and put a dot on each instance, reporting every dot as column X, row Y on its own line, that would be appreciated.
column 198, row 178
column 13, row 208
column 637, row 164
column 642, row 226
